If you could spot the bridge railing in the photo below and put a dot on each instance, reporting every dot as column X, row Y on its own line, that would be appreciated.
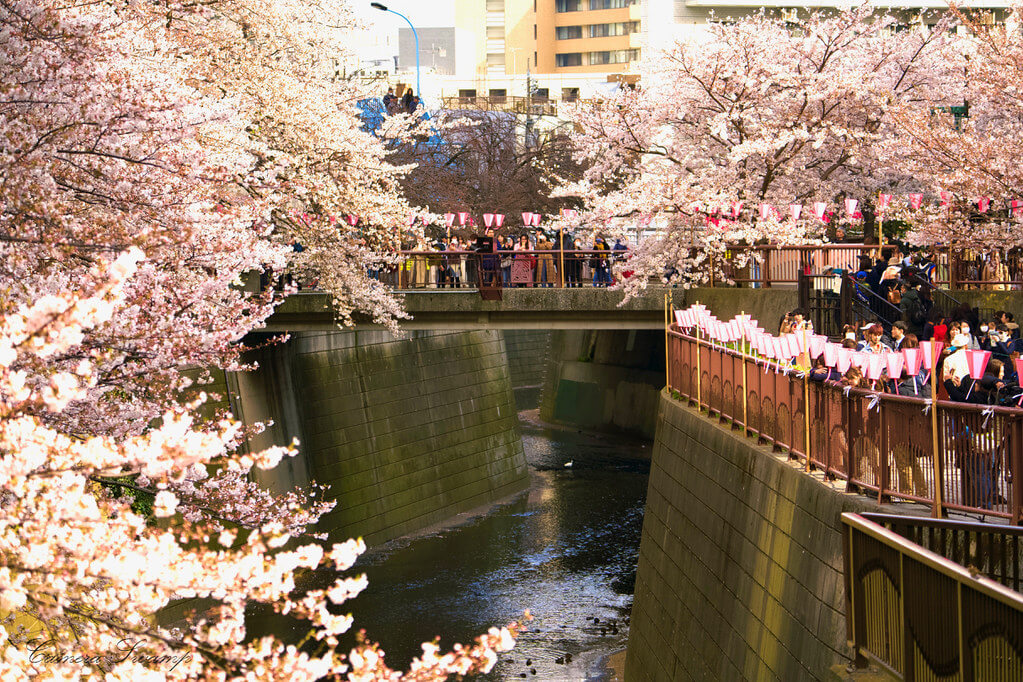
column 532, row 268
column 962, row 456
column 940, row 611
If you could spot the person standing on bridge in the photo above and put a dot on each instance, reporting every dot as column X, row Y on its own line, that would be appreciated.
column 601, row 265
column 546, row 271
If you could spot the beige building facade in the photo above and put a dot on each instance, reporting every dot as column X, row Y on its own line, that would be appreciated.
column 552, row 36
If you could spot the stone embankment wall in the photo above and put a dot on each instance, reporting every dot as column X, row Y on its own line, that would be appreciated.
column 740, row 567
column 607, row 380
column 527, row 362
column 407, row 433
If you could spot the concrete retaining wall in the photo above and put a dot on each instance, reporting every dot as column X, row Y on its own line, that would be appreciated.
column 740, row 567
column 407, row 433
column 604, row 380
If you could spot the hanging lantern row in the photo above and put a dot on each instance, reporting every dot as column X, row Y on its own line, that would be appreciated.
column 780, row 351
column 820, row 208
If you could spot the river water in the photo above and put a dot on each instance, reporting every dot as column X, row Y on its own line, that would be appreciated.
column 566, row 551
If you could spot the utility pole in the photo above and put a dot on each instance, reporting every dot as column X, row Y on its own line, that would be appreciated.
column 529, row 104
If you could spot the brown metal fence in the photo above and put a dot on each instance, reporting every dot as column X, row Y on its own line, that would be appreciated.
column 946, row 455
column 924, row 616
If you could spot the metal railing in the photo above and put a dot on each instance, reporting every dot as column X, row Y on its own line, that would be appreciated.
column 943, row 454
column 535, row 106
column 503, row 269
column 921, row 615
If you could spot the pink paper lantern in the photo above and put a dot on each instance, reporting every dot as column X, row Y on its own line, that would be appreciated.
column 930, row 354
column 777, row 348
column 913, row 358
column 802, row 341
column 462, row 215
column 353, row 220
column 850, row 206
column 845, row 356
column 736, row 209
column 765, row 211
column 831, row 354
column 680, row 318
column 859, row 359
column 1018, row 362
column 412, row 220
column 976, row 361
column 819, row 207
column 499, row 219
column 895, row 362
column 527, row 218
column 488, row 219
column 792, row 345
column 817, row 345
column 449, row 218
column 983, row 203
column 536, row 219
column 875, row 365
column 883, row 200
column 945, row 198
column 795, row 210
column 916, row 200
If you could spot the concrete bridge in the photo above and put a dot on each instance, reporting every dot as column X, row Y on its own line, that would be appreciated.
column 463, row 309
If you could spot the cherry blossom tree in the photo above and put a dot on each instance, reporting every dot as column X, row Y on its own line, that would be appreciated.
column 760, row 111
column 150, row 155
column 965, row 148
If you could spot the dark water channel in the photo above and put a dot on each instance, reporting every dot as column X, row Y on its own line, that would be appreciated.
column 567, row 551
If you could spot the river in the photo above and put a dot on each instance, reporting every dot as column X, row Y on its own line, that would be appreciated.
column 566, row 551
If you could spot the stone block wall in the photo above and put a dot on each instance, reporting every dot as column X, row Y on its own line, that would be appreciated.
column 527, row 355
column 606, row 379
column 407, row 433
column 740, row 567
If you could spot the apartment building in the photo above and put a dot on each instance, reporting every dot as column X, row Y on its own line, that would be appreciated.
column 554, row 36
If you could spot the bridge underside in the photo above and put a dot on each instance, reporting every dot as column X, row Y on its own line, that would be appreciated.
column 461, row 309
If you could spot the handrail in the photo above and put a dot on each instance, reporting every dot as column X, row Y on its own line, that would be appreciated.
column 881, row 444
column 920, row 615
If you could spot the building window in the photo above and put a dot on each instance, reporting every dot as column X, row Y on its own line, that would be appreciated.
column 542, row 93
column 570, row 59
column 612, row 57
column 568, row 32
column 569, row 94
column 468, row 95
column 610, row 4
column 568, row 6
column 619, row 28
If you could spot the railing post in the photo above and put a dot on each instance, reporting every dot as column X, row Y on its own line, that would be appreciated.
column 806, row 414
column 1016, row 470
column 938, row 483
column 699, row 376
column 667, row 354
column 745, row 388
column 765, row 272
column 952, row 265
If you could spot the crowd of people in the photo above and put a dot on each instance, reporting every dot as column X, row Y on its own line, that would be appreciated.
column 528, row 259
column 1000, row 384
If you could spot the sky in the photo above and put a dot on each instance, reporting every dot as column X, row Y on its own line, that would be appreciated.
column 380, row 40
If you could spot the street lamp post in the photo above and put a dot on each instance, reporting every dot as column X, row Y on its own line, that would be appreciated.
column 383, row 8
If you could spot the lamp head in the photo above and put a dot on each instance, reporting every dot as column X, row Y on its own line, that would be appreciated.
column 379, row 6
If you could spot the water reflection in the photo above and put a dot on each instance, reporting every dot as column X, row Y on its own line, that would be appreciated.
column 567, row 551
